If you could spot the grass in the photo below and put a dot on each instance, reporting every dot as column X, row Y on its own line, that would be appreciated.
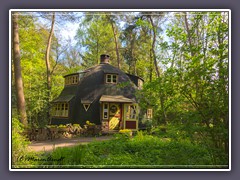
column 141, row 151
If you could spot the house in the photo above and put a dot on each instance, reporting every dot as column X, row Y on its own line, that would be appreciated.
column 102, row 94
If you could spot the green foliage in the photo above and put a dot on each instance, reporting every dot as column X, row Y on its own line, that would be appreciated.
column 62, row 126
column 20, row 151
column 142, row 151
column 89, row 123
column 192, row 92
column 125, row 131
column 189, row 99
column 33, row 39
column 96, row 36
column 52, row 126
column 77, row 125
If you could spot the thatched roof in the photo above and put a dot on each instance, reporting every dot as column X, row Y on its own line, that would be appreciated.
column 91, row 86
column 67, row 94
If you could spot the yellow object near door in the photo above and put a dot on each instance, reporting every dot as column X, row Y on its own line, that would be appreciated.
column 114, row 116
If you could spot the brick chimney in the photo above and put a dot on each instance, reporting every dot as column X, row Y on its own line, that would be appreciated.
column 104, row 58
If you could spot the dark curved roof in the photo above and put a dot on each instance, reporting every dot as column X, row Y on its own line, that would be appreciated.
column 135, row 76
column 67, row 94
column 92, row 85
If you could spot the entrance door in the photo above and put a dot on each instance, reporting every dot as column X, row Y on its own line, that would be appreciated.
column 114, row 116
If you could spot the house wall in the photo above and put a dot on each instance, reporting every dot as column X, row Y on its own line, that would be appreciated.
column 135, row 80
column 90, row 88
column 80, row 115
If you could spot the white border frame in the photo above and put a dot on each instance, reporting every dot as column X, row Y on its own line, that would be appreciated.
column 116, row 10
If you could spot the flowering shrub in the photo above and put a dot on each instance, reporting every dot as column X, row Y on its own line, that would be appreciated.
column 76, row 125
column 62, row 126
column 125, row 131
column 89, row 123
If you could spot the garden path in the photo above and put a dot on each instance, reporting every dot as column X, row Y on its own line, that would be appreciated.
column 51, row 144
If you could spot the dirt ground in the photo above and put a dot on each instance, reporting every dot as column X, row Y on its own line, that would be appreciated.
column 50, row 145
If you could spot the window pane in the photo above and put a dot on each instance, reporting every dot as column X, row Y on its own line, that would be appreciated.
column 108, row 78
column 105, row 114
column 105, row 106
column 114, row 78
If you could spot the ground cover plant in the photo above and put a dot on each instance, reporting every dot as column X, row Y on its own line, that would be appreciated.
column 140, row 151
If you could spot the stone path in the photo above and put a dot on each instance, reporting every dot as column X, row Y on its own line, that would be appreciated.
column 50, row 145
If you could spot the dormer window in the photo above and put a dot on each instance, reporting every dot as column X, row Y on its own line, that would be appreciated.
column 111, row 78
column 73, row 79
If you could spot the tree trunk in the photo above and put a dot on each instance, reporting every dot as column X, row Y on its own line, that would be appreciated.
column 116, row 45
column 21, row 105
column 48, row 65
column 188, row 33
column 153, row 47
column 164, row 116
column 151, row 66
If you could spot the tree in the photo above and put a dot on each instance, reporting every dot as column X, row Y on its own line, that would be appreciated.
column 21, row 105
column 48, row 68
column 111, row 20
column 64, row 18
column 201, row 70
column 95, row 36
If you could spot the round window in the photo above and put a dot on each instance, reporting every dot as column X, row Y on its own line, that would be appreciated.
column 113, row 109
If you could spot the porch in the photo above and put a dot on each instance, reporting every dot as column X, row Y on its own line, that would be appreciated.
column 118, row 112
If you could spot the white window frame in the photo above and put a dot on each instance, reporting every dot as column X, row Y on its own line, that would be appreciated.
column 86, row 108
column 60, row 110
column 111, row 77
column 149, row 113
column 128, row 112
column 105, row 110
column 73, row 79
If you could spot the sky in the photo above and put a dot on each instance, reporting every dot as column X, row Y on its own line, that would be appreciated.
column 70, row 30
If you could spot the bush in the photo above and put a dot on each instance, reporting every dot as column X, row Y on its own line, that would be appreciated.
column 20, row 151
column 89, row 123
column 160, row 131
column 62, row 126
column 77, row 125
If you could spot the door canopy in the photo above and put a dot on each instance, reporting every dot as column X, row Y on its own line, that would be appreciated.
column 117, row 98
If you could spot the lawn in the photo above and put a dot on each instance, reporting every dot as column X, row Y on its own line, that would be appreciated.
column 140, row 151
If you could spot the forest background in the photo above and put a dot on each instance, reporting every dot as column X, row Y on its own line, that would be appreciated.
column 182, row 56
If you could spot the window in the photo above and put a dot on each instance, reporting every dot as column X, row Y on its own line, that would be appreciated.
column 111, row 78
column 149, row 113
column 105, row 111
column 60, row 110
column 86, row 106
column 69, row 80
column 131, row 111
